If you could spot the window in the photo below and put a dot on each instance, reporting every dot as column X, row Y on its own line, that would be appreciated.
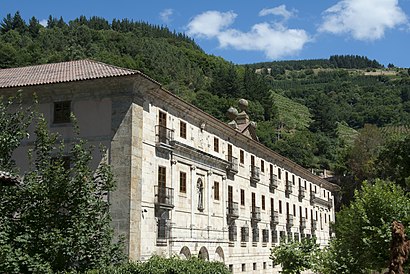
column 182, row 182
column 272, row 206
column 306, row 213
column 279, row 173
column 232, row 233
column 262, row 166
column 280, row 206
column 242, row 157
column 274, row 236
column 255, row 234
column 252, row 160
column 216, row 144
column 182, row 129
column 265, row 235
column 253, row 200
column 254, row 266
column 244, row 234
column 324, row 193
column 264, row 265
column 162, row 176
column 62, row 112
column 242, row 197
column 231, row 268
column 293, row 179
column 294, row 210
column 216, row 190
column 243, row 267
column 263, row 202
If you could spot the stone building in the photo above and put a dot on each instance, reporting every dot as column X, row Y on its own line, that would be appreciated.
column 188, row 184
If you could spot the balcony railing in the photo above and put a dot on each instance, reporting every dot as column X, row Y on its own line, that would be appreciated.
column 274, row 217
column 232, row 167
column 164, row 136
column 256, row 214
column 288, row 188
column 301, row 192
column 289, row 221
column 233, row 210
column 302, row 223
column 316, row 199
column 164, row 197
column 273, row 184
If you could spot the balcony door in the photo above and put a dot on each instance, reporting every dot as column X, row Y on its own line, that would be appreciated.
column 162, row 123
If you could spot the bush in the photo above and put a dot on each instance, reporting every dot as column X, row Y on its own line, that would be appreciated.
column 161, row 265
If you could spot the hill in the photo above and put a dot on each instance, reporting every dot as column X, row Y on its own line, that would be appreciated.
column 298, row 105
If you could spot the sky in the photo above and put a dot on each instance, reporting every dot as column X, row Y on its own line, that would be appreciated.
column 243, row 31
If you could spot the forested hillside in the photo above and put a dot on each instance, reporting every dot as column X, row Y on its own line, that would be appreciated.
column 310, row 111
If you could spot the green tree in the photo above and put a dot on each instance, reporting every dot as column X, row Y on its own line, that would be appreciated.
column 63, row 221
column 363, row 229
column 295, row 256
column 14, row 122
column 393, row 162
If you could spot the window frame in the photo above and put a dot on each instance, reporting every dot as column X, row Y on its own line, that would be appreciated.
column 182, row 182
column 62, row 112
column 182, row 129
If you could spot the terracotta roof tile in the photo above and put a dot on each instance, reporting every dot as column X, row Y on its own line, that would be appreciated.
column 60, row 72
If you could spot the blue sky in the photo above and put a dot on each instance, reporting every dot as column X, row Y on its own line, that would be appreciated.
column 261, row 30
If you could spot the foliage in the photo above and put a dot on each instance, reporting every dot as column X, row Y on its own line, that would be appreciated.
column 13, row 128
column 58, row 219
column 295, row 256
column 394, row 161
column 160, row 265
column 363, row 229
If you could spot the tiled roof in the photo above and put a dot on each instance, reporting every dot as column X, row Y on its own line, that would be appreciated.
column 60, row 72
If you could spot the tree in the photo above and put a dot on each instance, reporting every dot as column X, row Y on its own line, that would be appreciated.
column 295, row 256
column 60, row 219
column 363, row 229
column 13, row 129
column 394, row 161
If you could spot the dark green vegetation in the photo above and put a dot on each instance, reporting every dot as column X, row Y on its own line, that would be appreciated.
column 294, row 256
column 57, row 219
column 160, row 265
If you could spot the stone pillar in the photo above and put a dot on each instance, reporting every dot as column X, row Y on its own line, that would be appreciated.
column 193, row 204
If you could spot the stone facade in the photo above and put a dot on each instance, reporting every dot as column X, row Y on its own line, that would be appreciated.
column 188, row 184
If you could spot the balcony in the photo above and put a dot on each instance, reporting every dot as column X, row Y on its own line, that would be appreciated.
column 302, row 192
column 273, row 184
column 302, row 223
column 164, row 137
column 164, row 197
column 289, row 221
column 288, row 188
column 233, row 210
column 232, row 167
column 315, row 199
column 255, row 175
column 274, row 218
column 256, row 214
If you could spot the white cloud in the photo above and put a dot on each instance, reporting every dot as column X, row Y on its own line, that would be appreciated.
column 363, row 19
column 43, row 22
column 273, row 39
column 166, row 14
column 210, row 24
column 278, row 11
